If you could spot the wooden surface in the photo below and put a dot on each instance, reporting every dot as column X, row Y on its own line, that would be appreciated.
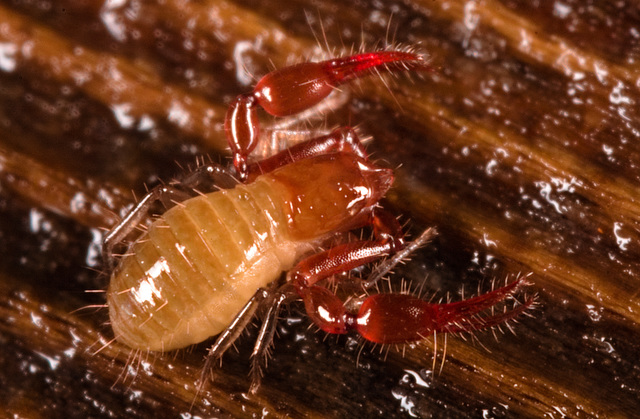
column 521, row 146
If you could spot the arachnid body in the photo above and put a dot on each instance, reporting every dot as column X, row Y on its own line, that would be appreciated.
column 204, row 266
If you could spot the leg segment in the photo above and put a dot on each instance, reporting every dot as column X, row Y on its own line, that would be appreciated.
column 134, row 217
column 260, row 353
column 219, row 176
column 387, row 265
column 296, row 88
column 345, row 257
column 271, row 298
column 325, row 308
column 340, row 139
column 230, row 335
column 234, row 330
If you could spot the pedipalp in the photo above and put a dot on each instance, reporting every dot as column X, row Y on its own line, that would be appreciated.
column 294, row 89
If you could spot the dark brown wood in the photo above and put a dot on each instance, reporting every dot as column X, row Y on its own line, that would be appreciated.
column 521, row 146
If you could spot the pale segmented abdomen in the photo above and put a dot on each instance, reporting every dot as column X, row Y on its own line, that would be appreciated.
column 198, row 265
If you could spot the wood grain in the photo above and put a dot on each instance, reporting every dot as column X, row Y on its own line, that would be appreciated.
column 520, row 145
